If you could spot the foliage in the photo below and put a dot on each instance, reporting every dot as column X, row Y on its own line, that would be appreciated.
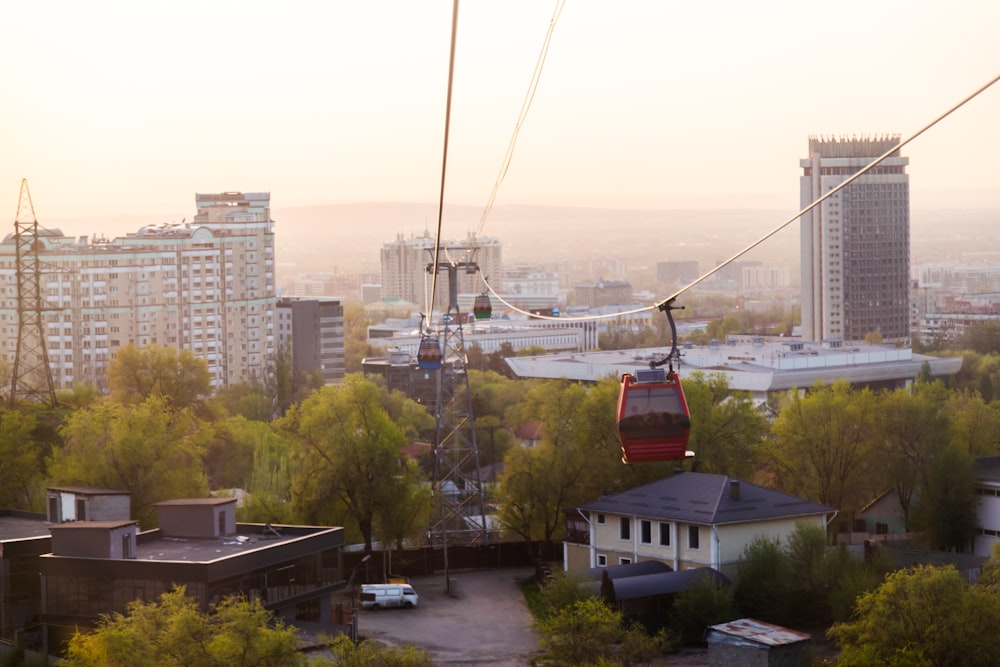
column 762, row 573
column 174, row 632
column 229, row 456
column 945, row 513
column 22, row 462
column 246, row 399
column 179, row 378
column 368, row 653
column 268, row 497
column 823, row 444
column 926, row 616
column 726, row 428
column 562, row 590
column 153, row 452
column 589, row 632
column 704, row 603
column 347, row 454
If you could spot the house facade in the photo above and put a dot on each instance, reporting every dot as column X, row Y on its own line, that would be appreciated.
column 688, row 520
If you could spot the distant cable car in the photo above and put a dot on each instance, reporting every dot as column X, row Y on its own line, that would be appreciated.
column 653, row 419
column 429, row 354
column 482, row 308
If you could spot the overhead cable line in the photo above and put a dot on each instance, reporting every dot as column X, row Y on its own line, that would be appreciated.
column 660, row 305
column 529, row 97
column 429, row 309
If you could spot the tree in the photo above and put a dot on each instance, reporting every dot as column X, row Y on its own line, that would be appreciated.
column 180, row 378
column 347, row 454
column 762, row 591
column 589, row 632
column 245, row 399
column 704, row 603
column 913, row 429
column 22, row 461
column 924, row 616
column 577, row 458
column 173, row 632
column 823, row 444
column 726, row 427
column 369, row 653
column 229, row 455
column 148, row 449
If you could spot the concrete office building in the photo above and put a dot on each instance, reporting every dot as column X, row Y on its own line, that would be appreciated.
column 855, row 246
column 206, row 286
column 313, row 331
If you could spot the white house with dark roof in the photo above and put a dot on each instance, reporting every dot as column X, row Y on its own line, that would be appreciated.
column 688, row 520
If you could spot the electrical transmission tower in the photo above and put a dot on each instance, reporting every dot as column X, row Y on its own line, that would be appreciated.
column 462, row 515
column 31, row 379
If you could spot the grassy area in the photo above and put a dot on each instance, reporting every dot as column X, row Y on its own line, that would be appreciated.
column 533, row 596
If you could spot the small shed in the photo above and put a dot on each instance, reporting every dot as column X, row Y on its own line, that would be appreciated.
column 748, row 642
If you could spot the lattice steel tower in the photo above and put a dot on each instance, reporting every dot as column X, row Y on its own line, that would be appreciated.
column 31, row 379
column 462, row 515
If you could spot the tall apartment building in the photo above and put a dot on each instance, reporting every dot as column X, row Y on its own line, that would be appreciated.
column 313, row 331
column 855, row 246
column 405, row 261
column 206, row 286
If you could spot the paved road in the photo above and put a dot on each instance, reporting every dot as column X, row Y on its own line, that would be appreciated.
column 484, row 622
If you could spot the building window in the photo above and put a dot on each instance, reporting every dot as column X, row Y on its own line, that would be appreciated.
column 624, row 561
column 600, row 519
column 624, row 528
column 694, row 536
column 881, row 528
column 602, row 560
column 646, row 532
column 664, row 534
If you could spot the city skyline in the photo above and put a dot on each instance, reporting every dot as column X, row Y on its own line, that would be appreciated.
column 122, row 111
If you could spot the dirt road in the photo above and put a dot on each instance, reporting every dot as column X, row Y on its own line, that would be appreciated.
column 484, row 622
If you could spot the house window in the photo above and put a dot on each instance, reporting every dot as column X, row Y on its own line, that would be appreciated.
column 693, row 537
column 646, row 532
column 624, row 561
column 624, row 528
column 664, row 534
column 881, row 528
column 602, row 560
column 600, row 519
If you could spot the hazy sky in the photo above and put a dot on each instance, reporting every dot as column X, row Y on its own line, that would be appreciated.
column 116, row 108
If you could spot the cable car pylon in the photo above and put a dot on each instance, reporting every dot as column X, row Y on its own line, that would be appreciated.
column 461, row 516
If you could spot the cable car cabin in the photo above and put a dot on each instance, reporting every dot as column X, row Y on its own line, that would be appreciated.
column 482, row 308
column 429, row 354
column 653, row 419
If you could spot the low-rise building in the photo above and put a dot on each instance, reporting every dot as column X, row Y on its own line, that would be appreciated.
column 688, row 520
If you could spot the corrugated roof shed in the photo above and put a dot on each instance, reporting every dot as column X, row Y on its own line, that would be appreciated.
column 750, row 631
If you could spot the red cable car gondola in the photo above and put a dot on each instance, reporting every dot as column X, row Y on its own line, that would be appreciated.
column 482, row 308
column 653, row 419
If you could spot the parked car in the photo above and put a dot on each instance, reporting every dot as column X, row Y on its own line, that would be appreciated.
column 379, row 596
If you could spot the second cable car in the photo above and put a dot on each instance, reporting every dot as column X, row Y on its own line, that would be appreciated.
column 429, row 354
column 482, row 308
column 654, row 423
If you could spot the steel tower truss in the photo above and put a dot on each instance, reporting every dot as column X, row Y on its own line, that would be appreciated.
column 461, row 516
column 31, row 379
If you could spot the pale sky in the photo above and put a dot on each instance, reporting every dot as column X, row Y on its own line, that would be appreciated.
column 119, row 108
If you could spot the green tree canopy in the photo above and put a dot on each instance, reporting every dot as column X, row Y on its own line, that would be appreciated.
column 22, row 462
column 824, row 443
column 347, row 454
column 726, row 428
column 173, row 632
column 180, row 378
column 924, row 616
column 148, row 449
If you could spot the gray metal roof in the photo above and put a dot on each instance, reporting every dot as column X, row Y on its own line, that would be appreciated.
column 750, row 631
column 702, row 498
column 629, row 570
column 988, row 468
column 664, row 583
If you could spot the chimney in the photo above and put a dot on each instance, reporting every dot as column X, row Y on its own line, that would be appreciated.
column 734, row 489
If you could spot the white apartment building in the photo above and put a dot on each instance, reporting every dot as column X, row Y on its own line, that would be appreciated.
column 405, row 260
column 206, row 286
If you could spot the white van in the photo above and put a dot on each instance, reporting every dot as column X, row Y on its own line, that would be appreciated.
column 379, row 596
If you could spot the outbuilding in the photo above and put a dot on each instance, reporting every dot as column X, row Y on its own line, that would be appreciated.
column 747, row 642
